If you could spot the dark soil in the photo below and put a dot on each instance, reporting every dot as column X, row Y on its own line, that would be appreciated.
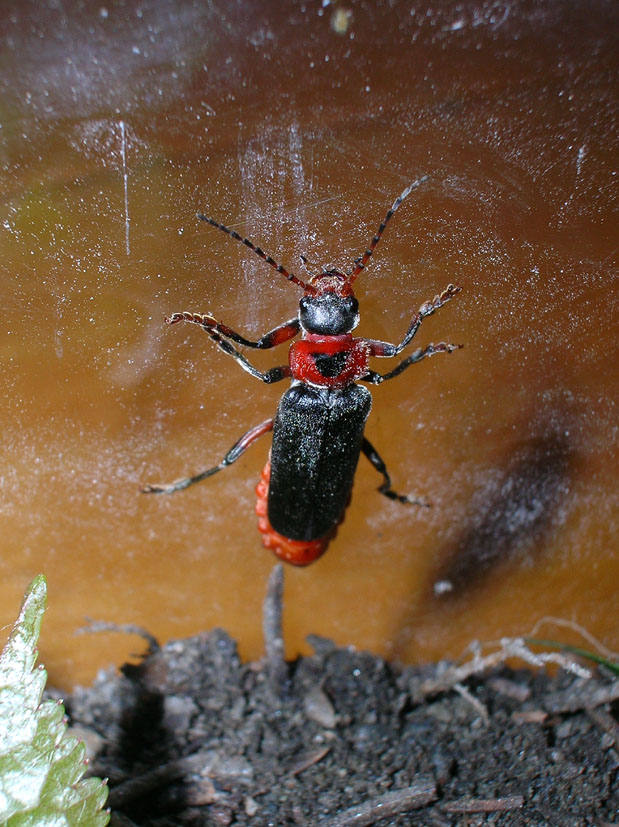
column 192, row 736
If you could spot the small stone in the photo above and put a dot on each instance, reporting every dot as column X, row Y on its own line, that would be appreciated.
column 92, row 741
column 318, row 708
column 251, row 806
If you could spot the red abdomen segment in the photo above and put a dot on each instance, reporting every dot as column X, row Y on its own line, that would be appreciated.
column 295, row 552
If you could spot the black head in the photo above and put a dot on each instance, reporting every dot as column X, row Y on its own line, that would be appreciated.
column 329, row 306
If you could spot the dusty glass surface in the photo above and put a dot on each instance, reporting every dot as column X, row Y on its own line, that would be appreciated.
column 298, row 124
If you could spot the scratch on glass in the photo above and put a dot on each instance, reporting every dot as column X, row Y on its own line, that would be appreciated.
column 123, row 150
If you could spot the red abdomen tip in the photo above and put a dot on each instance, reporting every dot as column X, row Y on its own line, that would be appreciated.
column 295, row 552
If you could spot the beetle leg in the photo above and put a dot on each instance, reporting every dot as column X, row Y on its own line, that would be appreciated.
column 233, row 454
column 268, row 377
column 375, row 378
column 386, row 489
column 274, row 337
column 426, row 309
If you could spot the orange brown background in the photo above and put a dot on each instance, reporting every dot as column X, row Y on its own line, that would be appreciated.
column 298, row 124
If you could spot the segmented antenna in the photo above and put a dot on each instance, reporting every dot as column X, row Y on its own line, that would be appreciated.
column 258, row 251
column 363, row 260
column 304, row 262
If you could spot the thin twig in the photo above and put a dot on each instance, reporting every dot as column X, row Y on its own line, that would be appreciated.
column 529, row 716
column 485, row 805
column 98, row 626
column 511, row 689
column 611, row 665
column 420, row 793
column 477, row 705
column 154, row 779
column 308, row 760
column 510, row 648
column 576, row 627
column 272, row 630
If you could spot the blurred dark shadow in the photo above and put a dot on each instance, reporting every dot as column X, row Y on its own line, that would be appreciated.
column 511, row 522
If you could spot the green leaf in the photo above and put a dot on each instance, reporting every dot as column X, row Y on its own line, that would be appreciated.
column 41, row 766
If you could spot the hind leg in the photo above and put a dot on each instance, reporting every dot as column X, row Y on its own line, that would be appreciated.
column 233, row 454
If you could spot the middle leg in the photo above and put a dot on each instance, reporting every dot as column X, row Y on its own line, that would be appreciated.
column 377, row 461
column 375, row 378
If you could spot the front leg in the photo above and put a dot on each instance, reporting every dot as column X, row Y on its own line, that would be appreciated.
column 427, row 308
column 269, row 376
column 375, row 378
column 279, row 334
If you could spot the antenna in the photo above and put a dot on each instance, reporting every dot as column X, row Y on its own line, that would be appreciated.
column 258, row 251
column 363, row 260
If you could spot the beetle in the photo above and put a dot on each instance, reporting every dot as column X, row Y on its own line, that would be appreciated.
column 318, row 429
